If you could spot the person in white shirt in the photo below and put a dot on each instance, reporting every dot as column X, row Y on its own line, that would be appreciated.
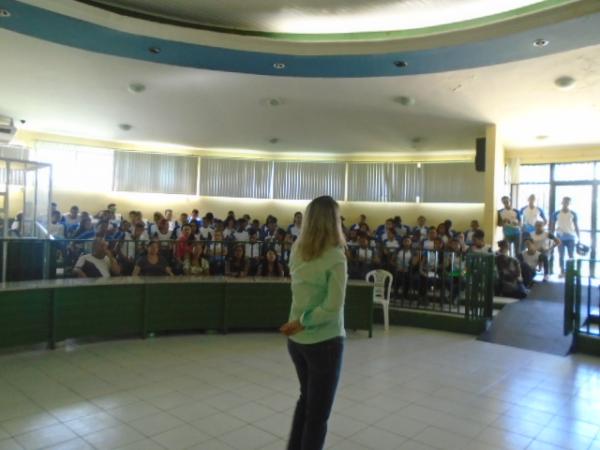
column 241, row 234
column 469, row 233
column 294, row 228
column 253, row 251
column 510, row 221
column 99, row 264
column 544, row 242
column 169, row 216
column 429, row 242
column 421, row 229
column 564, row 224
column 530, row 260
column 406, row 265
column 56, row 228
column 530, row 214
column 479, row 245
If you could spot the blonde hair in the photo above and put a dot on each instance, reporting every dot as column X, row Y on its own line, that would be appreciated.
column 321, row 229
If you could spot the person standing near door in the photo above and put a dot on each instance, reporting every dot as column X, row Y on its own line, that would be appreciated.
column 315, row 328
column 510, row 220
column 564, row 225
column 530, row 214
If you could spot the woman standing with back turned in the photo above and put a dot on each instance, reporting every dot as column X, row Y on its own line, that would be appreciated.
column 316, row 325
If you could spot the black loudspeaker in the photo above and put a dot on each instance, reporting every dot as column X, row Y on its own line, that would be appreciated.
column 480, row 154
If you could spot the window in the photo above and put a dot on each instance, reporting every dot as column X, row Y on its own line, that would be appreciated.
column 76, row 167
column 384, row 182
column 235, row 178
column 155, row 173
column 574, row 172
column 535, row 173
column 295, row 180
column 452, row 182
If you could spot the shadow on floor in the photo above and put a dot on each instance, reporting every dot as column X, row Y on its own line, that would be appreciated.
column 535, row 323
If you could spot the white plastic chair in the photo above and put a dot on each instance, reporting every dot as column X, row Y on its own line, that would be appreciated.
column 382, row 288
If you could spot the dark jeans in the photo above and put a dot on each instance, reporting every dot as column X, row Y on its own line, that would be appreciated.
column 514, row 243
column 318, row 367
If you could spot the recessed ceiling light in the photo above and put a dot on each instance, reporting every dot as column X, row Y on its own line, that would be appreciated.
column 272, row 102
column 541, row 43
column 274, row 140
column 401, row 64
column 136, row 88
column 154, row 50
column 405, row 100
column 565, row 82
column 4, row 13
column 125, row 126
column 279, row 66
column 541, row 137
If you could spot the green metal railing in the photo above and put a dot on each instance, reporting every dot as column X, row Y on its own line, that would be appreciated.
column 582, row 299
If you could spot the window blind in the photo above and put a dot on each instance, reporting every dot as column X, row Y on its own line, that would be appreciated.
column 300, row 180
column 452, row 182
column 384, row 182
column 235, row 178
column 155, row 173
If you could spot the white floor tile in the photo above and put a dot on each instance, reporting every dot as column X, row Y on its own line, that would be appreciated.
column 21, row 425
column 10, row 444
column 248, row 438
column 74, row 444
column 45, row 437
column 156, row 424
column 218, row 424
column 93, row 423
column 377, row 439
column 114, row 437
column 181, row 438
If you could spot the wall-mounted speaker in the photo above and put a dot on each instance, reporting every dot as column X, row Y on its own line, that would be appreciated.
column 480, row 154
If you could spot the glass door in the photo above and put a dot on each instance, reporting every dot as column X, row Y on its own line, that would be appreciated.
column 584, row 204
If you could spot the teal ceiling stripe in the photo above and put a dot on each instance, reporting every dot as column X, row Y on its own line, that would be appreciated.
column 60, row 29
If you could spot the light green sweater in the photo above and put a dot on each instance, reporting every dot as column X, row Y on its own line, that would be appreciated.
column 318, row 294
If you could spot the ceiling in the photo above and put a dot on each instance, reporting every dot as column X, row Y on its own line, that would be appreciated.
column 63, row 90
column 316, row 16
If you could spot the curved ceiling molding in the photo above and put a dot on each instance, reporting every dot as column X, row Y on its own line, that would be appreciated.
column 573, row 26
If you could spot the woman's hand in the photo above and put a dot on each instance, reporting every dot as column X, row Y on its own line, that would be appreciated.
column 291, row 328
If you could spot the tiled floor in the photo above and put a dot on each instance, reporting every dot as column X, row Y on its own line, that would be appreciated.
column 411, row 389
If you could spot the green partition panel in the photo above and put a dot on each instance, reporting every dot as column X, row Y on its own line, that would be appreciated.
column 194, row 306
column 257, row 305
column 358, row 311
column 25, row 317
column 98, row 311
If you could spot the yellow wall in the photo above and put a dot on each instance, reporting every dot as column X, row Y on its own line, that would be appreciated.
column 460, row 214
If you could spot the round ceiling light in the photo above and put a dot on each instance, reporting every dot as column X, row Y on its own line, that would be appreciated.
column 4, row 13
column 401, row 64
column 405, row 100
column 136, row 88
column 125, row 126
column 565, row 82
column 541, row 137
column 279, row 66
column 274, row 140
column 540, row 43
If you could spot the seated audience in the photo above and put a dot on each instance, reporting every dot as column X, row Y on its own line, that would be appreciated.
column 544, row 242
column 530, row 261
column 152, row 263
column 510, row 280
column 469, row 233
column 196, row 264
column 421, row 229
column 85, row 230
column 217, row 252
column 56, row 228
column 294, row 228
column 270, row 267
column 237, row 266
column 406, row 266
column 99, row 263
column 479, row 245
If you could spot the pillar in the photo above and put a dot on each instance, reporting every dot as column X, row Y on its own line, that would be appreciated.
column 494, row 183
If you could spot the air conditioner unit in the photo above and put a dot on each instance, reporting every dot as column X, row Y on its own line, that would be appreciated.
column 7, row 130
